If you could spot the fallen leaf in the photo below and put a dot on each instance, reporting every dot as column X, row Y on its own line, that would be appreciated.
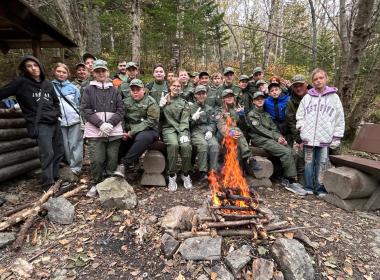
column 135, row 273
column 180, row 277
column 79, row 250
column 330, row 264
column 289, row 235
column 348, row 268
column 213, row 275
column 325, row 215
column 64, row 242
column 261, row 250
column 329, row 271
column 124, row 248
column 95, row 265
column 116, row 218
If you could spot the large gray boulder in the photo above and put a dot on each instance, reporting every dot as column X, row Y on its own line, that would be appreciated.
column 115, row 192
column 293, row 259
column 201, row 248
column 238, row 259
column 6, row 238
column 60, row 210
column 178, row 219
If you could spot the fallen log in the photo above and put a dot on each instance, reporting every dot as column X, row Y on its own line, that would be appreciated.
column 229, row 224
column 20, row 156
column 36, row 208
column 188, row 234
column 17, row 209
column 286, row 229
column 9, row 146
column 237, row 217
column 74, row 191
column 17, row 244
column 12, row 123
column 223, row 232
column 10, row 113
column 13, row 133
column 17, row 169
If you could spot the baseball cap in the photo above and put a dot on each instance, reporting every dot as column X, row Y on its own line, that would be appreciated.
column 243, row 77
column 88, row 55
column 203, row 73
column 228, row 70
column 298, row 79
column 257, row 70
column 79, row 64
column 258, row 94
column 137, row 83
column 131, row 64
column 227, row 92
column 273, row 85
column 260, row 82
column 100, row 64
column 200, row 88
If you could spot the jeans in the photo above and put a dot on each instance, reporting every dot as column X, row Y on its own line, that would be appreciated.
column 50, row 143
column 315, row 160
column 73, row 144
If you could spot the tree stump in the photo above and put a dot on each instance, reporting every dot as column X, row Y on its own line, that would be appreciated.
column 153, row 164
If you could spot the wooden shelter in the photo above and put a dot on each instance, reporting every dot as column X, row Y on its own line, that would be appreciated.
column 22, row 28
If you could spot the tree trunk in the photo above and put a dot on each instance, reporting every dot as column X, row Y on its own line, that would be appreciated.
column 268, row 41
column 237, row 46
column 94, row 39
column 136, row 31
column 359, row 39
column 343, row 35
column 314, row 25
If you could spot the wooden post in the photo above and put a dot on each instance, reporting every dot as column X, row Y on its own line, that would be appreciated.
column 36, row 46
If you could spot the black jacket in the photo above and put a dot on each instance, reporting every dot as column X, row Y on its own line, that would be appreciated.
column 30, row 93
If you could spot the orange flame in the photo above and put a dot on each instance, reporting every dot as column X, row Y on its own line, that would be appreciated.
column 231, row 176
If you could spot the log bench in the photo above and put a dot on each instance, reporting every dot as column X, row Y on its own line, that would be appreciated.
column 355, row 183
column 154, row 163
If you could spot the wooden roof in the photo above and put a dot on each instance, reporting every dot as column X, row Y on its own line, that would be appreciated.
column 21, row 27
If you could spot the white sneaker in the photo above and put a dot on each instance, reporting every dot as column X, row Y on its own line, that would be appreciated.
column 92, row 192
column 172, row 183
column 187, row 182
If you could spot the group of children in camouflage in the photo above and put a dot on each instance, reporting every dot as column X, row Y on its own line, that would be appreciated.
column 121, row 118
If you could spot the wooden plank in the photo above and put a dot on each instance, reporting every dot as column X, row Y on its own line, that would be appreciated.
column 19, row 156
column 12, row 123
column 10, row 113
column 18, row 169
column 366, row 165
column 368, row 139
column 13, row 133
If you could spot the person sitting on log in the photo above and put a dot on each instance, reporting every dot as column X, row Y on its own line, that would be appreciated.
column 203, row 132
column 176, row 134
column 237, row 115
column 140, row 125
column 103, row 109
column 40, row 106
column 265, row 134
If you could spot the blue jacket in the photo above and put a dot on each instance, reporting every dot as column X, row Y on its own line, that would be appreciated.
column 72, row 94
column 270, row 107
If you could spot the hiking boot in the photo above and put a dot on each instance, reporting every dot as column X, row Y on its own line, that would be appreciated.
column 92, row 192
column 321, row 193
column 203, row 177
column 120, row 171
column 187, row 182
column 172, row 186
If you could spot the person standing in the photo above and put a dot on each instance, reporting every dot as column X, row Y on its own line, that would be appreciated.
column 140, row 125
column 103, row 109
column 121, row 73
column 187, row 86
column 176, row 135
column 320, row 119
column 40, row 106
column 80, row 75
column 132, row 72
column 203, row 131
column 159, row 86
column 69, row 100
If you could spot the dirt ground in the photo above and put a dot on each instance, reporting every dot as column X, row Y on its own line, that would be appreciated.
column 109, row 244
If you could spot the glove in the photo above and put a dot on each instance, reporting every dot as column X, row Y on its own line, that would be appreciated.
column 106, row 128
column 163, row 100
column 208, row 135
column 184, row 139
column 335, row 144
column 16, row 106
column 240, row 113
column 197, row 115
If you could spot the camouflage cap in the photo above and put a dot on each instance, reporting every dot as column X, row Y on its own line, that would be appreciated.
column 243, row 77
column 194, row 74
column 227, row 92
column 228, row 70
column 203, row 73
column 85, row 56
column 100, row 64
column 200, row 88
column 258, row 94
column 260, row 82
column 257, row 70
column 273, row 84
column 137, row 83
column 80, row 64
column 298, row 79
column 131, row 64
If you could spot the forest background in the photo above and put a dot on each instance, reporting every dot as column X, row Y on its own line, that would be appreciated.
column 284, row 37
